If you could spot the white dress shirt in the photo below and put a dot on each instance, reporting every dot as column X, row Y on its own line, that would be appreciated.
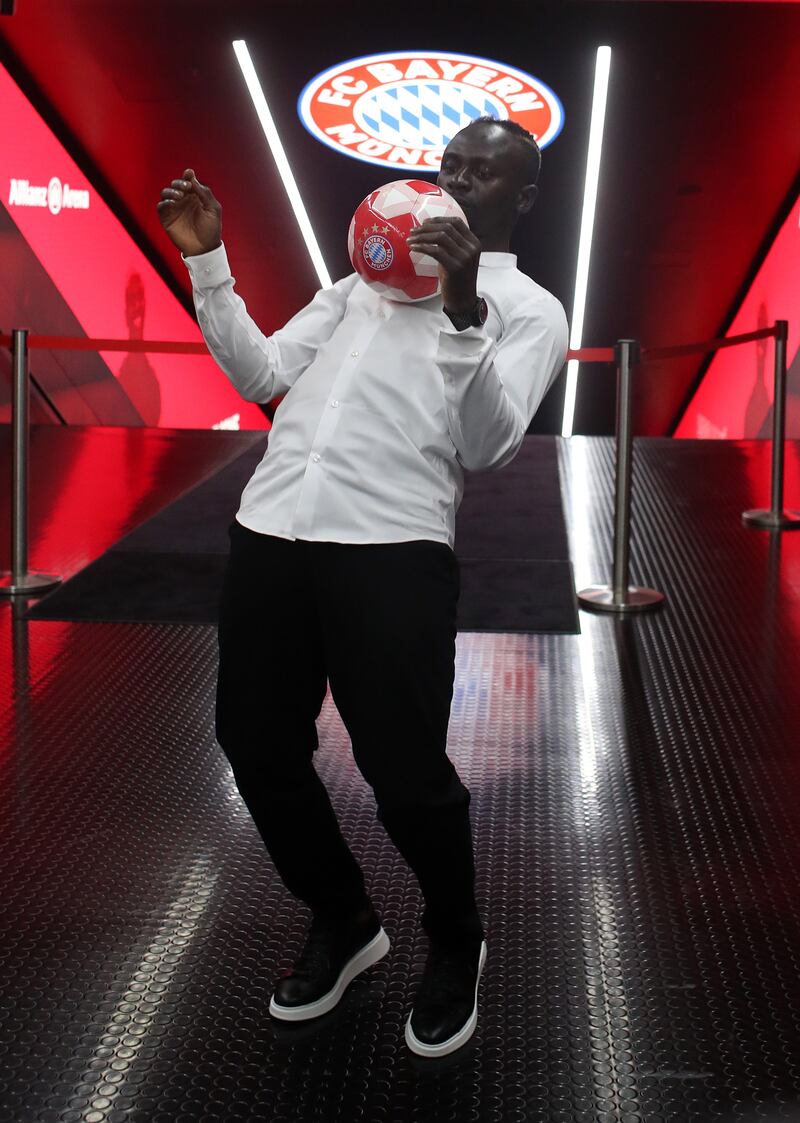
column 386, row 403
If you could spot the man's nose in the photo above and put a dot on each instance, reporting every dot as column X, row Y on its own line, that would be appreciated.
column 460, row 177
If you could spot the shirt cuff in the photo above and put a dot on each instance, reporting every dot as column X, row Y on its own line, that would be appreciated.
column 208, row 270
column 455, row 344
column 469, row 332
column 459, row 356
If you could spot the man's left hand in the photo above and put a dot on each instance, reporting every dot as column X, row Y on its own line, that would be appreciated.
column 451, row 242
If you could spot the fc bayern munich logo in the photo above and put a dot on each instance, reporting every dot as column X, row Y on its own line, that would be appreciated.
column 401, row 110
column 377, row 252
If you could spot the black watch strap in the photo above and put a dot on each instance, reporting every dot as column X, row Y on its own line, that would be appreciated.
column 474, row 319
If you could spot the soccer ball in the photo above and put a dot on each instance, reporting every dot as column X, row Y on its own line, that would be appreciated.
column 376, row 240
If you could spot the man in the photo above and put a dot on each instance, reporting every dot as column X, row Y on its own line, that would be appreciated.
column 342, row 567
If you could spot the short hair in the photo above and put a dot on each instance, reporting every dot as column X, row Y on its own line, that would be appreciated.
column 532, row 153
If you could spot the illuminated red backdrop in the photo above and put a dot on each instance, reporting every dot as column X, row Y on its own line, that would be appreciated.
column 701, row 156
column 87, row 269
column 734, row 398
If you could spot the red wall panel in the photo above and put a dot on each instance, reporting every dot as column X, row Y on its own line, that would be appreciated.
column 106, row 282
column 735, row 396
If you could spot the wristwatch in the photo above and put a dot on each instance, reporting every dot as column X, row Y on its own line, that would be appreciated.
column 463, row 320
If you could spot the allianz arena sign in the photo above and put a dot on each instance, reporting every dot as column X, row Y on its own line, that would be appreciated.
column 401, row 109
column 54, row 196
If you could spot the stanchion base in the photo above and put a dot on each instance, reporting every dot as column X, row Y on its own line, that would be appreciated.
column 600, row 598
column 30, row 583
column 769, row 520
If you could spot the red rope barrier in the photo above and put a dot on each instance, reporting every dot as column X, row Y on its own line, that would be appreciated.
column 584, row 355
column 71, row 343
column 711, row 345
column 593, row 354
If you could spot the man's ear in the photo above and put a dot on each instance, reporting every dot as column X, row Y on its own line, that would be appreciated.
column 526, row 197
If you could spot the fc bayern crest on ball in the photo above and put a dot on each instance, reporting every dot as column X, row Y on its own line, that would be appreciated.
column 377, row 244
column 377, row 252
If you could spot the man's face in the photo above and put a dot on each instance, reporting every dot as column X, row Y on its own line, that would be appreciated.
column 483, row 168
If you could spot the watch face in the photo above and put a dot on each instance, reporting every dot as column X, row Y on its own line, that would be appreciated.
column 473, row 319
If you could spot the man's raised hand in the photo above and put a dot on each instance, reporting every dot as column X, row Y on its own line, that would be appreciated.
column 451, row 243
column 191, row 215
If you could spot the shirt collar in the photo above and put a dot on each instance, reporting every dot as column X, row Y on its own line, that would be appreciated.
column 495, row 260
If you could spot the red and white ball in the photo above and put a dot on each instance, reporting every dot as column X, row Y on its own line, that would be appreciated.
column 376, row 240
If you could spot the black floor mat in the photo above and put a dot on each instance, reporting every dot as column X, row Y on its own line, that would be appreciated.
column 511, row 542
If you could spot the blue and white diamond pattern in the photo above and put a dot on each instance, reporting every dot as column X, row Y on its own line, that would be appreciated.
column 423, row 114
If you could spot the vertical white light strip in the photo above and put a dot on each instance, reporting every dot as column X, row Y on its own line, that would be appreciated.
column 601, row 74
column 274, row 141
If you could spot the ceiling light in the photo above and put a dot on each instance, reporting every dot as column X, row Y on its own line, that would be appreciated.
column 274, row 141
column 601, row 74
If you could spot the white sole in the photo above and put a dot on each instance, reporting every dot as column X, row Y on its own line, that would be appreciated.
column 364, row 958
column 458, row 1039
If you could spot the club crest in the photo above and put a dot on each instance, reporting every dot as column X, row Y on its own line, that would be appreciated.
column 402, row 109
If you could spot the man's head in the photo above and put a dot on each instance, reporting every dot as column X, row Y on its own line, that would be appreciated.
column 491, row 168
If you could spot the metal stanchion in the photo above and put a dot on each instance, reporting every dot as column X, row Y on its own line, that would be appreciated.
column 19, row 580
column 622, row 597
column 776, row 518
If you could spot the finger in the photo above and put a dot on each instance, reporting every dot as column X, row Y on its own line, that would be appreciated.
column 444, row 222
column 441, row 233
column 464, row 251
column 463, row 242
column 195, row 183
column 204, row 194
column 434, row 232
column 442, row 256
column 459, row 251
column 189, row 182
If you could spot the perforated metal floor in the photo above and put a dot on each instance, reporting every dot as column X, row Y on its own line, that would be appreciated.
column 635, row 808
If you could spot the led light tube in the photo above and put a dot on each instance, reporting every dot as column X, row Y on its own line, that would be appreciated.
column 276, row 148
column 600, row 96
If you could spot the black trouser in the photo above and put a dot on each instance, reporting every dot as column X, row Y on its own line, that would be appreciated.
column 379, row 623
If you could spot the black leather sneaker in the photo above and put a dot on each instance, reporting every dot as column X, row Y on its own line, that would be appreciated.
column 332, row 957
column 446, row 1007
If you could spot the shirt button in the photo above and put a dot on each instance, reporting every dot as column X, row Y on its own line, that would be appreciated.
column 315, row 458
column 334, row 403
column 207, row 268
column 354, row 354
